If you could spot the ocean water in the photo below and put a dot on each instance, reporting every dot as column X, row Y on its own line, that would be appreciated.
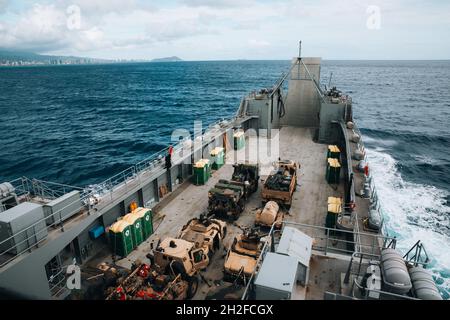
column 79, row 125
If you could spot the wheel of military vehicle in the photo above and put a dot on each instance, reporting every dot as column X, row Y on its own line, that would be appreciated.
column 177, row 268
column 192, row 287
column 224, row 232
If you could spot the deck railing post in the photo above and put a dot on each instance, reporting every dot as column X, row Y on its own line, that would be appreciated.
column 347, row 274
column 61, row 221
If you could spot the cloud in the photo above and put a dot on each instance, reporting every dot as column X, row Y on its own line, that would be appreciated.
column 3, row 5
column 224, row 29
column 40, row 28
column 258, row 43
column 219, row 3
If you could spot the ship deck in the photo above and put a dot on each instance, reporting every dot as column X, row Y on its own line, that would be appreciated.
column 309, row 206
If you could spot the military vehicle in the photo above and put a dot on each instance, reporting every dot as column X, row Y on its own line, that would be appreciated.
column 247, row 175
column 205, row 232
column 281, row 183
column 226, row 200
column 180, row 257
column 269, row 215
column 241, row 258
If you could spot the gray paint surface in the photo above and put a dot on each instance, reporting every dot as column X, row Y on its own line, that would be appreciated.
column 302, row 102
column 63, row 207
column 276, row 277
column 16, row 223
column 330, row 112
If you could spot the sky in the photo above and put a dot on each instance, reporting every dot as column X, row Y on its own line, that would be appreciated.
column 228, row 29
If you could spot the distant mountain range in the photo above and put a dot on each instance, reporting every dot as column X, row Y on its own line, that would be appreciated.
column 21, row 58
column 167, row 59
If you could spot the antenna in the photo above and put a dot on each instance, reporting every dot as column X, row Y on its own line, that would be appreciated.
column 300, row 49
column 329, row 82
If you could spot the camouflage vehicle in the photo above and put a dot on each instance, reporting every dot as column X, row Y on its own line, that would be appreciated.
column 241, row 259
column 226, row 200
column 180, row 257
column 281, row 183
column 205, row 232
column 246, row 175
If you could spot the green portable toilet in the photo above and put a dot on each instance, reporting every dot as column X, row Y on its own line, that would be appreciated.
column 334, row 209
column 202, row 171
column 146, row 217
column 208, row 168
column 218, row 158
column 121, row 238
column 136, row 228
column 239, row 140
column 333, row 171
column 333, row 152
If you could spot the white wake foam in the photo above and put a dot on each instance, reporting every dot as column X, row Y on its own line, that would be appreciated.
column 414, row 212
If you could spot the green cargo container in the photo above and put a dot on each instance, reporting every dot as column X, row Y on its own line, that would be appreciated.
column 146, row 217
column 202, row 171
column 217, row 158
column 136, row 228
column 333, row 152
column 333, row 171
column 121, row 238
column 239, row 140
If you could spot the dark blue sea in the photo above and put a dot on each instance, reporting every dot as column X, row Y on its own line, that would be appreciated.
column 79, row 125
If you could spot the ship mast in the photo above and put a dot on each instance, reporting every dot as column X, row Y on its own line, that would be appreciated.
column 299, row 49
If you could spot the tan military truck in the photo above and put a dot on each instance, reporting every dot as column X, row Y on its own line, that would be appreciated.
column 269, row 215
column 180, row 257
column 242, row 257
column 205, row 232
column 281, row 183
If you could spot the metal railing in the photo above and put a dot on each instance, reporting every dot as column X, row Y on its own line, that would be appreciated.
column 375, row 203
column 326, row 241
column 417, row 255
column 357, row 268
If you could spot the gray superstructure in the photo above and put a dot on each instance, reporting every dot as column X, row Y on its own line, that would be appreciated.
column 303, row 120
